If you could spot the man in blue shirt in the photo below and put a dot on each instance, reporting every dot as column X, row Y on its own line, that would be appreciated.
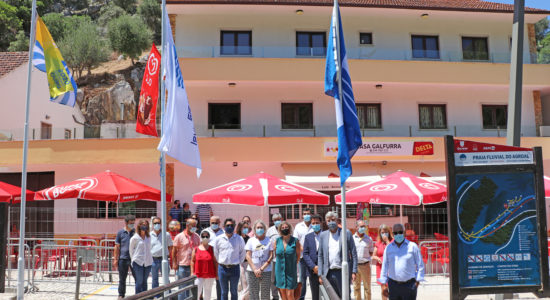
column 402, row 267
column 176, row 213
column 122, row 253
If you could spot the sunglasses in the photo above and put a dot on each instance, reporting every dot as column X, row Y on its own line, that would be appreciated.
column 156, row 223
column 205, row 237
column 397, row 232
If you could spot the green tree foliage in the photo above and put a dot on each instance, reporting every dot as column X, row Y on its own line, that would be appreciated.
column 23, row 10
column 56, row 24
column 9, row 25
column 541, row 29
column 21, row 42
column 83, row 48
column 109, row 12
column 128, row 5
column 543, row 41
column 150, row 12
column 129, row 35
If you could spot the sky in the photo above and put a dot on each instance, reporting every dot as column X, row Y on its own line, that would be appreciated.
column 544, row 4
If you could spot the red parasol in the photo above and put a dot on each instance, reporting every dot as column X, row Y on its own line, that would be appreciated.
column 12, row 194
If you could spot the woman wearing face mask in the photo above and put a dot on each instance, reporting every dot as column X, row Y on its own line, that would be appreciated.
column 384, row 238
column 287, row 251
column 259, row 252
column 140, row 255
column 243, row 228
column 204, row 266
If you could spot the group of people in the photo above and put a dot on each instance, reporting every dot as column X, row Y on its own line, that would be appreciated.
column 252, row 261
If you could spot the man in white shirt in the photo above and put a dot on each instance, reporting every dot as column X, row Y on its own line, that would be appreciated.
column 273, row 233
column 156, row 249
column 229, row 252
column 364, row 247
column 330, row 254
column 300, row 232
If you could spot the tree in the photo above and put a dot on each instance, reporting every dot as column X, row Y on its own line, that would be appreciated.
column 109, row 12
column 56, row 24
column 543, row 41
column 83, row 48
column 21, row 42
column 541, row 29
column 129, row 35
column 9, row 25
column 150, row 12
column 128, row 5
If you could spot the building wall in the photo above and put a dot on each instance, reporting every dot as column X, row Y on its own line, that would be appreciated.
column 12, row 116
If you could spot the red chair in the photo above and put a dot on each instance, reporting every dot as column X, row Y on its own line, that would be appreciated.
column 424, row 252
column 441, row 237
column 442, row 257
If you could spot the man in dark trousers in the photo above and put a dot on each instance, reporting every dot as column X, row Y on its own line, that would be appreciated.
column 311, row 244
column 122, row 253
column 331, row 256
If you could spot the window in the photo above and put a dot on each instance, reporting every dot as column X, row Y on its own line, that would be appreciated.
column 425, row 46
column 45, row 131
column 311, row 43
column 68, row 134
column 494, row 116
column 224, row 115
column 365, row 38
column 432, row 116
column 475, row 48
column 297, row 115
column 92, row 209
column 369, row 115
column 236, row 42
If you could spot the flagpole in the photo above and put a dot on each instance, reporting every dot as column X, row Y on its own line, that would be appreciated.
column 21, row 259
column 343, row 235
column 165, row 266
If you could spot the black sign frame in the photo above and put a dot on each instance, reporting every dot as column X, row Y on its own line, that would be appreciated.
column 536, row 168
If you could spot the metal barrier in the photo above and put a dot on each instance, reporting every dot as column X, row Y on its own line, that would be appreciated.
column 12, row 257
column 165, row 291
column 435, row 255
column 105, row 260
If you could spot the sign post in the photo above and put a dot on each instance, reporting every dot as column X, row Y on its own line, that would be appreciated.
column 497, row 219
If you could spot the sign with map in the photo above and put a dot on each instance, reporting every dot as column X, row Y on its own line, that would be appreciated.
column 497, row 230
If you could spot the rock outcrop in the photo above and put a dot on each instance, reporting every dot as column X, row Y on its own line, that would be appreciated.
column 107, row 105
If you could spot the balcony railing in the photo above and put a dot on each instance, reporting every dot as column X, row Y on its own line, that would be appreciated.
column 127, row 130
column 364, row 52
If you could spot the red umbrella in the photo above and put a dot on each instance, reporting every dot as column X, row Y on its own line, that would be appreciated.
column 105, row 186
column 12, row 194
column 399, row 188
column 261, row 190
column 546, row 186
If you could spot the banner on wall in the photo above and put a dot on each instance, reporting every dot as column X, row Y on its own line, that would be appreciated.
column 406, row 148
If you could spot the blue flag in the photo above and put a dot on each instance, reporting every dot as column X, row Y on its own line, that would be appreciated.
column 347, row 123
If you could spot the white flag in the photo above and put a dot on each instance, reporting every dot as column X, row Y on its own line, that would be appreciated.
column 178, row 131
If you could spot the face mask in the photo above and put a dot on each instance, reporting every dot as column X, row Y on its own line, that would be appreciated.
column 205, row 240
column 245, row 230
column 316, row 227
column 307, row 218
column 229, row 229
column 399, row 238
column 214, row 226
column 260, row 231
column 277, row 223
column 384, row 235
column 193, row 229
column 285, row 231
column 156, row 227
column 361, row 230
column 143, row 228
column 131, row 226
column 332, row 225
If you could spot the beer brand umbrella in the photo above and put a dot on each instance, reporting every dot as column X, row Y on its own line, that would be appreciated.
column 399, row 188
column 261, row 190
column 12, row 194
column 105, row 186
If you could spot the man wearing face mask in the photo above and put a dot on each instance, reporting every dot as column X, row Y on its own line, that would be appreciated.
column 229, row 252
column 176, row 213
column 122, row 253
column 364, row 246
column 330, row 254
column 300, row 232
column 273, row 233
column 182, row 251
column 402, row 267
column 311, row 246
column 156, row 249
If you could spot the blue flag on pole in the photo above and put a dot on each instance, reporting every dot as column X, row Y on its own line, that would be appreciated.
column 347, row 122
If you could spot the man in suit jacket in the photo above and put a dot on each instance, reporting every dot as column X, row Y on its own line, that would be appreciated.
column 311, row 244
column 330, row 254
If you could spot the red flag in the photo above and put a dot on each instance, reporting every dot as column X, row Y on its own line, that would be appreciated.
column 147, row 109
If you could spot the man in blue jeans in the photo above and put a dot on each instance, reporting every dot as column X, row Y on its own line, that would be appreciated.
column 156, row 249
column 122, row 253
column 229, row 252
column 184, row 243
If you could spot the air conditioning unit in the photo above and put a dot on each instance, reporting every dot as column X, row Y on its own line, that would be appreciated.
column 544, row 130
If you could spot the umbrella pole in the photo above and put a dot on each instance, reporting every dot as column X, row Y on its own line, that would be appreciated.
column 344, row 239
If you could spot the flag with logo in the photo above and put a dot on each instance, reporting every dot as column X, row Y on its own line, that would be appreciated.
column 48, row 59
column 347, row 122
column 178, row 137
column 147, row 108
